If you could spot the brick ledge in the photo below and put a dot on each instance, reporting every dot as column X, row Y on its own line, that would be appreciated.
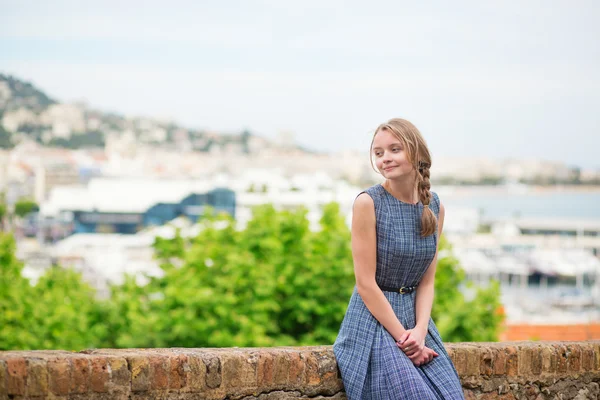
column 507, row 370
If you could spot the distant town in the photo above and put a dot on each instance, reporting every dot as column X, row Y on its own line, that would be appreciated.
column 39, row 135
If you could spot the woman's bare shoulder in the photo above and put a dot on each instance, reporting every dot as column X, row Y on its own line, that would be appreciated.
column 364, row 207
column 363, row 200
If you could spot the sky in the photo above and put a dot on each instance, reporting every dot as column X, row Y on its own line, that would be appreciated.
column 499, row 79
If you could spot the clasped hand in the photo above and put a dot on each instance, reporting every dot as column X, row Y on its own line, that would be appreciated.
column 412, row 343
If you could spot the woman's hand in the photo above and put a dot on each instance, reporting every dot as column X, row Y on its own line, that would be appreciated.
column 423, row 357
column 412, row 341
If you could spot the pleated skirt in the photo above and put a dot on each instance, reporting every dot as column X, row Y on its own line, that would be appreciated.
column 373, row 367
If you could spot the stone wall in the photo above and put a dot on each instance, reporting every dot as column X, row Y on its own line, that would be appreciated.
column 523, row 370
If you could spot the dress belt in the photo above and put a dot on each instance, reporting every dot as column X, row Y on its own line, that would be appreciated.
column 401, row 290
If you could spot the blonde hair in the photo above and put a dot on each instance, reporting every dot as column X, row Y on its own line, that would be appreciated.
column 418, row 155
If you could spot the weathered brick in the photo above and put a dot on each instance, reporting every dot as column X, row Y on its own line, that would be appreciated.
column 195, row 373
column 327, row 368
column 451, row 352
column 500, row 362
column 530, row 360
column 296, row 375
column 561, row 358
column 37, row 378
column 140, row 372
column 239, row 370
column 281, row 368
column 525, row 360
column 574, row 363
column 486, row 356
column 472, row 361
column 160, row 369
column 549, row 358
column 587, row 358
column 177, row 373
column 17, row 375
column 59, row 376
column 3, row 377
column 120, row 376
column 80, row 375
column 312, row 369
column 100, row 375
column 512, row 361
column 536, row 360
column 460, row 361
column 596, row 346
column 266, row 369
column 214, row 374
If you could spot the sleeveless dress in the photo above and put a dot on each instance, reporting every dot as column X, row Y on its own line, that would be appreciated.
column 370, row 363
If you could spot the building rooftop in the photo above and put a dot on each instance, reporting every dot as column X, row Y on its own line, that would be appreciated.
column 120, row 195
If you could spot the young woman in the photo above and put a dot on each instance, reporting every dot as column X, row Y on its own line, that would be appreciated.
column 388, row 347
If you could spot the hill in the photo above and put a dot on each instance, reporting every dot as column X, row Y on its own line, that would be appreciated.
column 28, row 113
column 15, row 94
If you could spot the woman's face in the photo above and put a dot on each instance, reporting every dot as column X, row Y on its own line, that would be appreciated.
column 390, row 155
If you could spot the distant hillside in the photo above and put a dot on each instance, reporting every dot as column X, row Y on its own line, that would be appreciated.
column 15, row 94
column 28, row 113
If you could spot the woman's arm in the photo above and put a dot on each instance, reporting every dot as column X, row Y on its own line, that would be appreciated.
column 424, row 300
column 364, row 253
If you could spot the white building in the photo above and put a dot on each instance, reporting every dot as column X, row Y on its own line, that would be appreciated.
column 12, row 120
column 311, row 191
column 252, row 188
column 65, row 119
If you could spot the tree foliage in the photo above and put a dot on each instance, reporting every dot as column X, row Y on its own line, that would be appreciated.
column 24, row 207
column 16, row 302
column 273, row 283
column 80, row 140
column 461, row 318
column 55, row 313
column 276, row 282
column 5, row 139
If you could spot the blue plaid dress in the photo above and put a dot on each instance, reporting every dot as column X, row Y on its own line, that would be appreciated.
column 371, row 365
